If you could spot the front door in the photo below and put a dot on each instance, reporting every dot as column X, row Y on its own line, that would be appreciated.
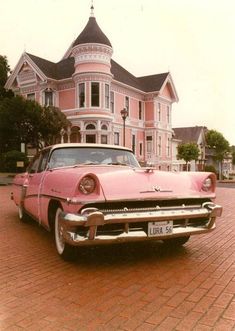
column 91, row 138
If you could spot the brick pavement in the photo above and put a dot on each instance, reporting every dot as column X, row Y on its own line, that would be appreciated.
column 127, row 287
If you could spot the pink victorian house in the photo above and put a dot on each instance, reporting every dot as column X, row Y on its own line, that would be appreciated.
column 91, row 89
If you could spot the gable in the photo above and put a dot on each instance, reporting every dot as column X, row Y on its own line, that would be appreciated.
column 167, row 91
column 25, row 73
column 190, row 134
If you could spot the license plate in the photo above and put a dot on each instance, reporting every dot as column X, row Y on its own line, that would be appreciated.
column 156, row 229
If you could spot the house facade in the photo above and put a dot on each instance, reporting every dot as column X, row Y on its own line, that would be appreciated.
column 184, row 135
column 197, row 135
column 91, row 89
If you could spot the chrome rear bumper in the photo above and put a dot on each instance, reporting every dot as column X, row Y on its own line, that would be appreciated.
column 70, row 224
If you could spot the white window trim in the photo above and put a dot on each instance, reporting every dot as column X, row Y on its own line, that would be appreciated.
column 113, row 102
column 44, row 97
column 105, row 96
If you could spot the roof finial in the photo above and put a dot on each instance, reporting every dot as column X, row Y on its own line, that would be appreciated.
column 92, row 9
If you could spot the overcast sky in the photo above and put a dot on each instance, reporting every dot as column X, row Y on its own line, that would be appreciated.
column 193, row 39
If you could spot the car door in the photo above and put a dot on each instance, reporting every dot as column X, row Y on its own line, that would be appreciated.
column 36, row 175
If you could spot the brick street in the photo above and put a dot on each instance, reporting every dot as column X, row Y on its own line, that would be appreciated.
column 121, row 287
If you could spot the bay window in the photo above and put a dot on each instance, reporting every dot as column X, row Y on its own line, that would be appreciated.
column 81, row 95
column 95, row 94
column 106, row 96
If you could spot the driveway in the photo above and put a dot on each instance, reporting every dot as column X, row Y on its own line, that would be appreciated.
column 123, row 287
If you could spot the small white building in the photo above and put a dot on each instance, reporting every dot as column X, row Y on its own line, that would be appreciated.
column 186, row 135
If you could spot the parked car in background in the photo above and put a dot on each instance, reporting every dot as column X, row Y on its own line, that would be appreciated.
column 90, row 194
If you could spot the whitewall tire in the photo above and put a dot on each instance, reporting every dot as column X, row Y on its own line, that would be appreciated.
column 66, row 251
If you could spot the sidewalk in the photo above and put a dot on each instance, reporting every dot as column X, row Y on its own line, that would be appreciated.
column 6, row 178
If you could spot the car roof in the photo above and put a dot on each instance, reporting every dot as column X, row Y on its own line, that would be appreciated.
column 107, row 146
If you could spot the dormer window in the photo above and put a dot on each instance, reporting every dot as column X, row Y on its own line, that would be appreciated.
column 48, row 98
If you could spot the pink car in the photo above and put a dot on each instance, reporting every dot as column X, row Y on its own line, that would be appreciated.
column 91, row 194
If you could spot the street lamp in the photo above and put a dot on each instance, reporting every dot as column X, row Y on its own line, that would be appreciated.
column 124, row 114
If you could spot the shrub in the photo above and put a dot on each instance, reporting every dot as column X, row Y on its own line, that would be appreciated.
column 9, row 161
column 210, row 168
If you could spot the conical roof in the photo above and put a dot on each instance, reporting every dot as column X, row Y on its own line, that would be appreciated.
column 92, row 34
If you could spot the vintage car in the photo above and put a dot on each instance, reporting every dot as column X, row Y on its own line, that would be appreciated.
column 90, row 194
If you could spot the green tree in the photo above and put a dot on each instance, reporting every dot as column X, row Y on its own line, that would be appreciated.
column 4, row 71
column 53, row 120
column 19, row 123
column 220, row 146
column 188, row 152
column 25, row 121
column 233, row 154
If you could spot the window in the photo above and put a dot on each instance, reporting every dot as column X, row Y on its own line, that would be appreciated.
column 90, row 127
column 31, row 96
column 75, row 136
column 43, row 162
column 104, row 139
column 168, row 114
column 159, row 145
column 34, row 165
column 81, row 95
column 140, row 110
column 95, row 94
column 112, row 101
column 106, row 96
column 48, row 98
column 104, row 127
column 116, row 138
column 159, row 112
column 141, row 149
column 127, row 101
column 168, row 147
column 133, row 143
column 90, row 138
column 149, row 144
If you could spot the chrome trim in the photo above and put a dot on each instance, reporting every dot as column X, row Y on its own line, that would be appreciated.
column 71, row 222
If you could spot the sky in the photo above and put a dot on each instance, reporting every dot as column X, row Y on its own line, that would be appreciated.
column 192, row 39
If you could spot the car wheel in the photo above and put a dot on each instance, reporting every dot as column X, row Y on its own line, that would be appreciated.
column 176, row 242
column 66, row 251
